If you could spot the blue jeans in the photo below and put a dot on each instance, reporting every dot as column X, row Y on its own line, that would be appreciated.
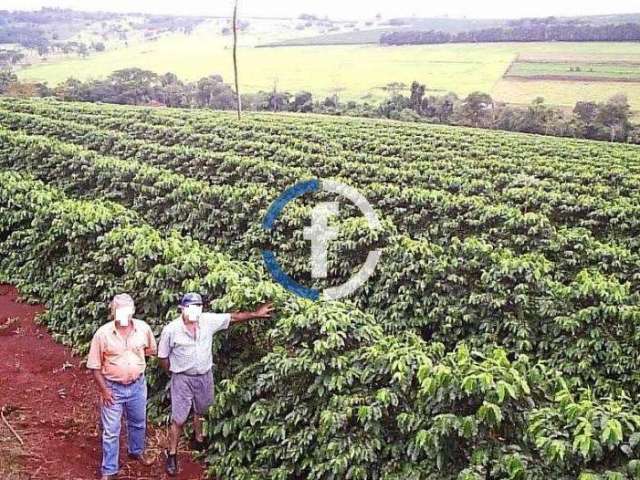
column 132, row 401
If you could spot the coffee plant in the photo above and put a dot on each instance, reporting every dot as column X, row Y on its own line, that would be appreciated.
column 497, row 339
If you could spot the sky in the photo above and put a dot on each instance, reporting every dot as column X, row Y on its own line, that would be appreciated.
column 345, row 9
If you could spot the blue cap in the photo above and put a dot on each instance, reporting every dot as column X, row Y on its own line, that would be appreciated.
column 191, row 299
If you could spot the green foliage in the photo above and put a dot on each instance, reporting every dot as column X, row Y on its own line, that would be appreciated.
column 498, row 295
column 497, row 339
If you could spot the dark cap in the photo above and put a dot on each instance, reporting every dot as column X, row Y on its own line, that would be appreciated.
column 191, row 299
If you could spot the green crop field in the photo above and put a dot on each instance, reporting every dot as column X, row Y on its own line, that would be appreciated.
column 498, row 337
column 355, row 71
column 583, row 70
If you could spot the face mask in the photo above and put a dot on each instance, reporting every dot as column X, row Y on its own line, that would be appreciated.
column 194, row 312
column 122, row 316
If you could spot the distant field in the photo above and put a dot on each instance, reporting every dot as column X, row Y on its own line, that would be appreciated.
column 572, row 70
column 372, row 35
column 564, row 93
column 353, row 71
column 342, row 38
column 361, row 71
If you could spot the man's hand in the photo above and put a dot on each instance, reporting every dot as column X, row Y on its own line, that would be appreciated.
column 106, row 397
column 264, row 311
column 164, row 363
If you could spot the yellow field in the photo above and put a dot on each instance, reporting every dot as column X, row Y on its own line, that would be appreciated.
column 357, row 71
column 564, row 93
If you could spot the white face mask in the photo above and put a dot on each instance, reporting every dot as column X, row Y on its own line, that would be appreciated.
column 122, row 316
column 193, row 312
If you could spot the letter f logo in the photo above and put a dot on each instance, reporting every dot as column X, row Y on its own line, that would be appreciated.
column 320, row 234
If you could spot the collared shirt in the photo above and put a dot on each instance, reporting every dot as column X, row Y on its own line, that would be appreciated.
column 121, row 359
column 190, row 354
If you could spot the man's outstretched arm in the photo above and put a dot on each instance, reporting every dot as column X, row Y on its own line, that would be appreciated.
column 263, row 311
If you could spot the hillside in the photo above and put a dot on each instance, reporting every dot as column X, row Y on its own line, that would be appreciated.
column 34, row 37
column 370, row 32
column 365, row 34
column 498, row 333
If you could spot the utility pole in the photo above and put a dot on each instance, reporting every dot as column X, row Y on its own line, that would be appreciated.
column 235, row 56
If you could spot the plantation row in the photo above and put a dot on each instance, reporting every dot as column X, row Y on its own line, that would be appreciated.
column 610, row 212
column 478, row 290
column 473, row 169
column 470, row 167
column 322, row 392
column 497, row 339
column 343, row 135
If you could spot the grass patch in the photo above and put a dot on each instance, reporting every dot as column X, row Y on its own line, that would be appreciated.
column 571, row 70
column 358, row 71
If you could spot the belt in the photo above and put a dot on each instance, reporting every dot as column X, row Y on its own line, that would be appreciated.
column 192, row 374
column 127, row 384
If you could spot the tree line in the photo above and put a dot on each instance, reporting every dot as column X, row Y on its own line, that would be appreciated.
column 526, row 32
column 610, row 120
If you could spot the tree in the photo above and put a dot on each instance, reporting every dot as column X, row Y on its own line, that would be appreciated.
column 43, row 49
column 83, row 51
column 10, row 57
column 585, row 115
column 395, row 88
column 169, row 78
column 278, row 101
column 615, row 115
column 586, row 111
column 446, row 106
column 133, row 85
column 537, row 117
column 257, row 101
column 331, row 102
column 303, row 102
column 212, row 92
column 173, row 91
column 7, row 78
column 417, row 94
column 70, row 90
column 439, row 108
column 393, row 107
column 477, row 109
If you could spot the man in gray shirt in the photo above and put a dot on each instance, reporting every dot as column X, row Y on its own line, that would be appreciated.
column 185, row 351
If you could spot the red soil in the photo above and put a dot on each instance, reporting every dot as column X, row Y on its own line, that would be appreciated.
column 50, row 399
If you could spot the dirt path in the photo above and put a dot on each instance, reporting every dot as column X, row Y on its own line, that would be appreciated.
column 49, row 398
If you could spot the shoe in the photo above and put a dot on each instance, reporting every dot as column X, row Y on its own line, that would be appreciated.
column 197, row 446
column 142, row 459
column 171, row 466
